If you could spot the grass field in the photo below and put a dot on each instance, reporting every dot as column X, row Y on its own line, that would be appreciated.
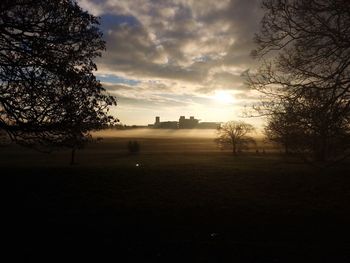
column 179, row 199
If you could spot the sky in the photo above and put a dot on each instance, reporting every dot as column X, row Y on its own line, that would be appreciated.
column 177, row 57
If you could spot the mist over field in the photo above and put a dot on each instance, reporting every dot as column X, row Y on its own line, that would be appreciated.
column 157, row 133
column 174, row 141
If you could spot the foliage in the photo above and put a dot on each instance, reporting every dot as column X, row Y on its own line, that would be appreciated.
column 48, row 93
column 305, row 88
column 235, row 134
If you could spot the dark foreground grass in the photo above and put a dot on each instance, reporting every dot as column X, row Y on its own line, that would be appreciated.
column 177, row 201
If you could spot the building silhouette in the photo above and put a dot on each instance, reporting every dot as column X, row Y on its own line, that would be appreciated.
column 208, row 125
column 165, row 124
column 187, row 123
column 184, row 123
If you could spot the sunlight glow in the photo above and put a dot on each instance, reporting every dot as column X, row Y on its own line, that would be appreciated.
column 223, row 97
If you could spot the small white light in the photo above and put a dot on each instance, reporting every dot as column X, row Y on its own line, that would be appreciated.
column 214, row 234
column 137, row 165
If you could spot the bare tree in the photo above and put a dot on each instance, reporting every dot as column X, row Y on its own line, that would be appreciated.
column 304, row 46
column 234, row 134
column 48, row 93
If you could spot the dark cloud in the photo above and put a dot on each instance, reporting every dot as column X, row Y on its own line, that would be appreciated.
column 150, row 102
column 166, row 39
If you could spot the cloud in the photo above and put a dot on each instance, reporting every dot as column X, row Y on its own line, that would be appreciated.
column 176, row 47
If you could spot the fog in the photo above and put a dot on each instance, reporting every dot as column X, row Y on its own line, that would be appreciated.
column 156, row 133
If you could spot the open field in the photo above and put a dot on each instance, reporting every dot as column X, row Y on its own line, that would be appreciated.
column 180, row 199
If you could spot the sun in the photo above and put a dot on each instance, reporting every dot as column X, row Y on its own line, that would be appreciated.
column 223, row 97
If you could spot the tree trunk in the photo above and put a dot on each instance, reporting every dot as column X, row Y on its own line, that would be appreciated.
column 320, row 154
column 321, row 149
column 286, row 149
column 234, row 149
column 72, row 159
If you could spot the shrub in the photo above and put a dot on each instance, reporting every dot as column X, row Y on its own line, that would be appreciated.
column 133, row 147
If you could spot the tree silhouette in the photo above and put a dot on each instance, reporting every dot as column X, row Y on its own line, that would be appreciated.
column 234, row 134
column 48, row 93
column 282, row 128
column 304, row 47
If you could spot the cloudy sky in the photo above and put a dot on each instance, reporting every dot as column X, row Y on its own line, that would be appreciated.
column 177, row 57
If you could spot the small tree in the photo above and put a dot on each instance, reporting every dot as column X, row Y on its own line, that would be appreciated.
column 133, row 147
column 235, row 134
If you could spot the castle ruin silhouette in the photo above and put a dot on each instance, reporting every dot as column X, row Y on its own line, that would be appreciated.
column 184, row 123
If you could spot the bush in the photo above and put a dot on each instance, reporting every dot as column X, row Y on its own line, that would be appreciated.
column 133, row 147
